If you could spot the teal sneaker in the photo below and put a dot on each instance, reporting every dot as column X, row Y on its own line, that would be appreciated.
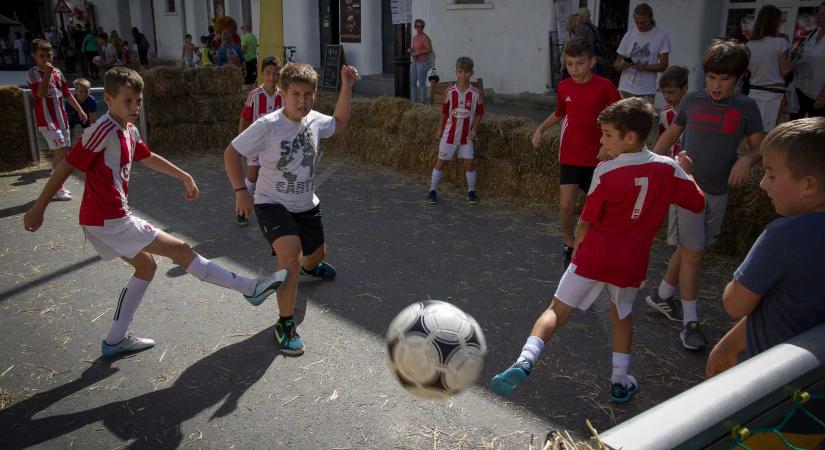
column 472, row 198
column 241, row 221
column 432, row 198
column 620, row 393
column 129, row 344
column 503, row 383
column 323, row 270
column 266, row 287
column 288, row 338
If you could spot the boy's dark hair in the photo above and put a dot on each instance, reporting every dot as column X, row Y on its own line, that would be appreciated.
column 121, row 76
column 802, row 141
column 297, row 73
column 726, row 57
column 270, row 61
column 631, row 114
column 674, row 76
column 103, row 36
column 188, row 36
column 204, row 39
column 578, row 47
column 465, row 63
column 40, row 44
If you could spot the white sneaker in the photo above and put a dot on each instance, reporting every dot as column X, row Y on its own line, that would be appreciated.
column 266, row 287
column 63, row 194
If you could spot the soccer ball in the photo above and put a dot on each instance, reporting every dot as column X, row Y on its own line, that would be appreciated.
column 435, row 349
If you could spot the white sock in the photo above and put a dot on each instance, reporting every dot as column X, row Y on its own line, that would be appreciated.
column 436, row 178
column 666, row 289
column 621, row 361
column 206, row 270
column 127, row 304
column 250, row 186
column 531, row 350
column 471, row 181
column 690, row 311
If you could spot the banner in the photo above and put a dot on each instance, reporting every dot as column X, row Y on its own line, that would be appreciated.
column 351, row 21
column 401, row 11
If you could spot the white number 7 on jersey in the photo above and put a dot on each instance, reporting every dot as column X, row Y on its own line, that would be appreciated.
column 640, row 199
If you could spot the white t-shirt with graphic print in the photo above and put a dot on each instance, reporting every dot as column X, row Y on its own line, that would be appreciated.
column 288, row 152
column 642, row 48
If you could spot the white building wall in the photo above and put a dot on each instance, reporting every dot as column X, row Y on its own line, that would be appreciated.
column 302, row 29
column 507, row 42
column 256, row 18
column 169, row 31
column 114, row 15
column 366, row 55
column 234, row 9
column 141, row 17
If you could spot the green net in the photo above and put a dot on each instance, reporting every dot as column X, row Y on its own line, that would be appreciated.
column 814, row 426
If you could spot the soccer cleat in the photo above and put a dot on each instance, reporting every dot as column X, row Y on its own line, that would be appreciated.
column 323, row 270
column 129, row 344
column 620, row 393
column 266, row 287
column 503, row 383
column 432, row 198
column 472, row 198
column 288, row 338
column 241, row 221
column 692, row 337
column 568, row 255
column 670, row 307
column 62, row 194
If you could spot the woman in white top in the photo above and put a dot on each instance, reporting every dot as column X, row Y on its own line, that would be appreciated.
column 810, row 71
column 768, row 65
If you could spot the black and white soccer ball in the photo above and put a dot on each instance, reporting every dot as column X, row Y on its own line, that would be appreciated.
column 435, row 349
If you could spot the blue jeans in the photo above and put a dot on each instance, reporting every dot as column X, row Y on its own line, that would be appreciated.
column 418, row 81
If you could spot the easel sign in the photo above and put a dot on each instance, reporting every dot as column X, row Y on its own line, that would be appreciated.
column 334, row 59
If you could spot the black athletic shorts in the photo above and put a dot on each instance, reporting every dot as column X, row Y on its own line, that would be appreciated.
column 250, row 71
column 275, row 221
column 576, row 175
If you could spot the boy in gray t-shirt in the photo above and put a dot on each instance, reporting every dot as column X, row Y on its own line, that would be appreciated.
column 714, row 122
column 777, row 292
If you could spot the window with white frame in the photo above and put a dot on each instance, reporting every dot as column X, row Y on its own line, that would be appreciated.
column 171, row 7
column 470, row 4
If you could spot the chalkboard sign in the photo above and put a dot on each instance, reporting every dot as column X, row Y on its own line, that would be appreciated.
column 333, row 60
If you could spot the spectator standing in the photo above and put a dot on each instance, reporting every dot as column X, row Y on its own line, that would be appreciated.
column 188, row 51
column 90, row 51
column 643, row 53
column 810, row 69
column 249, row 47
column 18, row 48
column 769, row 63
column 142, row 46
column 115, row 40
column 229, row 51
column 421, row 52
column 77, row 46
column 108, row 53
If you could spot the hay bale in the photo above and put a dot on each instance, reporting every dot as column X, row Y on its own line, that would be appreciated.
column 749, row 211
column 16, row 153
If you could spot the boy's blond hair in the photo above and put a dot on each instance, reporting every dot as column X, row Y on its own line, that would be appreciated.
column 81, row 83
column 121, row 76
column 631, row 114
column 297, row 73
column 40, row 44
column 465, row 63
column 802, row 141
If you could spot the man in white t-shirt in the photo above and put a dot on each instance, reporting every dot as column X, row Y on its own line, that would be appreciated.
column 288, row 211
column 642, row 53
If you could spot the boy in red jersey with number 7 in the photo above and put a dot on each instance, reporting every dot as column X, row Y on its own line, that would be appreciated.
column 627, row 201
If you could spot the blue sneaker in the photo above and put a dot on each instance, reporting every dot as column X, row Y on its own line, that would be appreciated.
column 472, row 198
column 266, row 287
column 432, row 198
column 323, row 270
column 288, row 338
column 622, row 394
column 503, row 383
column 129, row 344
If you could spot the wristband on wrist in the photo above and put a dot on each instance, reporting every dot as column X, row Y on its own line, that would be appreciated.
column 240, row 189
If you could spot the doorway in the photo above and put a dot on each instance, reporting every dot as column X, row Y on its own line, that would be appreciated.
column 330, row 33
column 387, row 38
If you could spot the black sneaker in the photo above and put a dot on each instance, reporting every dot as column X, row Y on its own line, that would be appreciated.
column 432, row 199
column 472, row 198
column 323, row 270
column 568, row 256
column 692, row 337
column 241, row 221
column 288, row 338
column 670, row 307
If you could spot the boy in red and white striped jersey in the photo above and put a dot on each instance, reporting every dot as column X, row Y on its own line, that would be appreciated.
column 461, row 112
column 49, row 113
column 673, row 84
column 628, row 198
column 261, row 101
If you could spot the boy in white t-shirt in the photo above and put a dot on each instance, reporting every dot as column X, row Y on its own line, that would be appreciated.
column 288, row 211
column 642, row 53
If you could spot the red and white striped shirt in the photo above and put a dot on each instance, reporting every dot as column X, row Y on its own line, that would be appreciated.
column 105, row 153
column 259, row 103
column 628, row 199
column 49, row 111
column 462, row 108
column 666, row 116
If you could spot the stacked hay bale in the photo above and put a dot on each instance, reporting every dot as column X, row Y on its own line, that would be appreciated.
column 192, row 110
column 399, row 134
column 16, row 153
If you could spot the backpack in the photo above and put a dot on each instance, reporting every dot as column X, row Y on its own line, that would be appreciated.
column 598, row 47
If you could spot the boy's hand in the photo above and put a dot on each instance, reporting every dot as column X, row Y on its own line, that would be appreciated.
column 49, row 67
column 348, row 76
column 83, row 116
column 720, row 359
column 243, row 203
column 739, row 172
column 603, row 155
column 536, row 139
column 33, row 219
column 685, row 162
column 192, row 192
column 438, row 133
column 472, row 134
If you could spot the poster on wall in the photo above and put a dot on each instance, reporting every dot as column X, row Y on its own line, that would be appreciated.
column 401, row 11
column 351, row 21
column 564, row 8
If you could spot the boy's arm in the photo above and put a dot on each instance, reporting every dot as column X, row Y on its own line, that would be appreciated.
column 740, row 171
column 162, row 165
column 667, row 139
column 581, row 231
column 232, row 164
column 660, row 66
column 344, row 105
column 738, row 300
column 34, row 217
column 551, row 120
column 725, row 353
column 242, row 124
